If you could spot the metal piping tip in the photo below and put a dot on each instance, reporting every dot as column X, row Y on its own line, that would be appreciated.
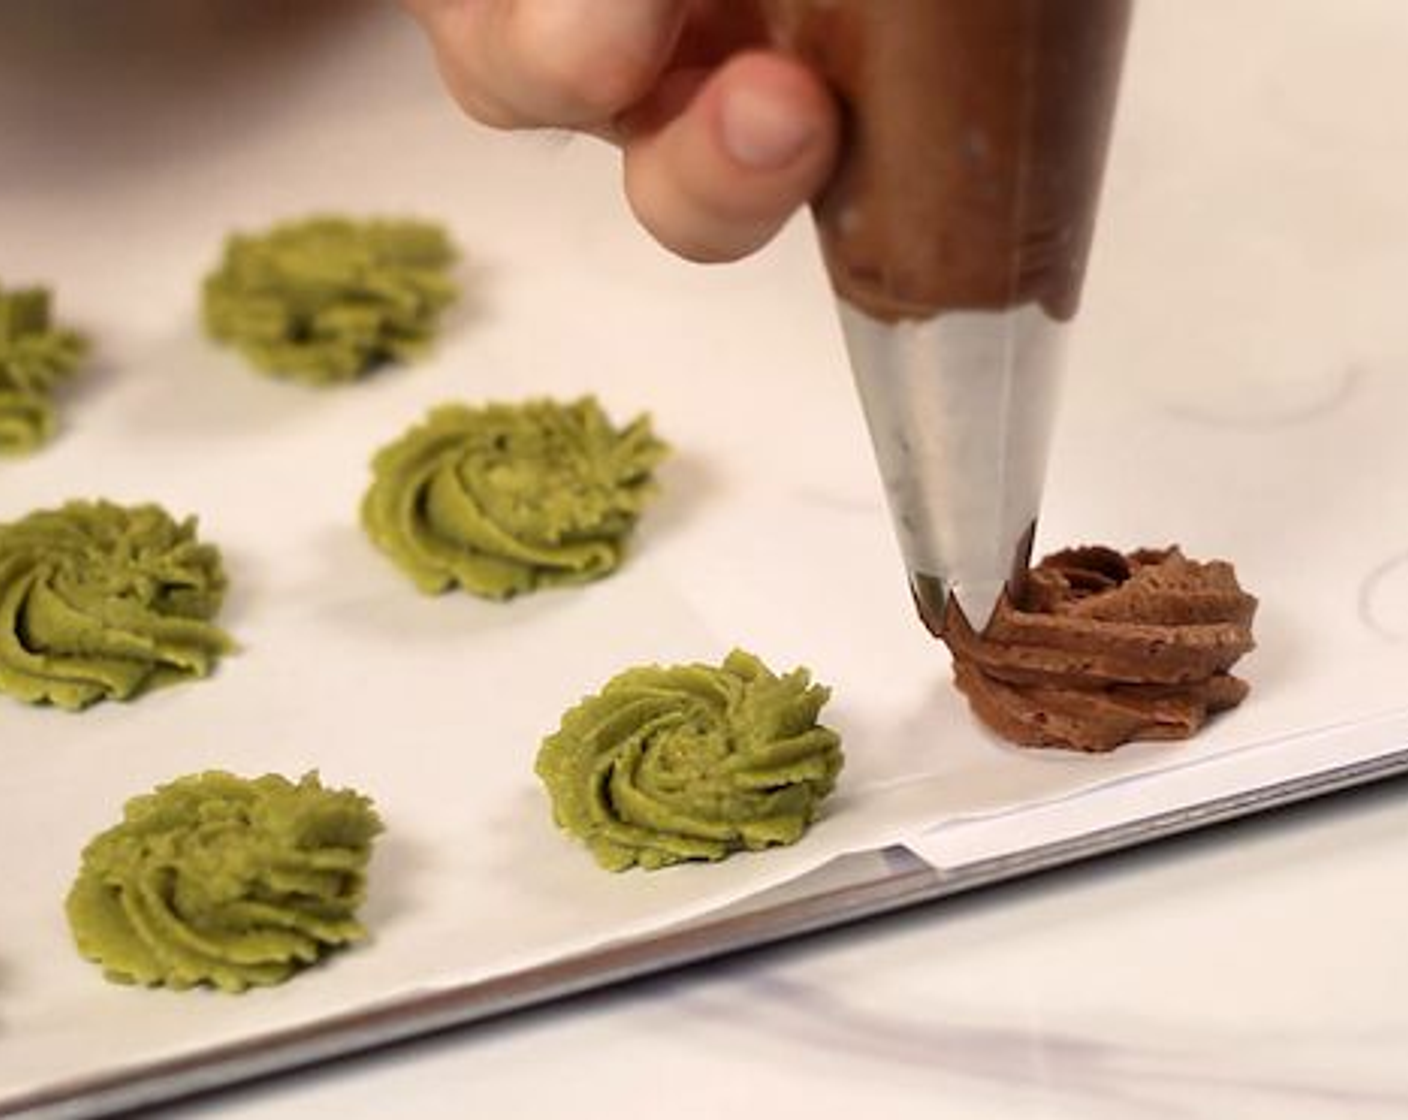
column 941, row 604
column 960, row 409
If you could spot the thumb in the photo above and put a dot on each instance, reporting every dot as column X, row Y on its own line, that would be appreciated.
column 716, row 162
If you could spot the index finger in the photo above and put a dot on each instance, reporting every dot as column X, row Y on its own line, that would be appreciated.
column 561, row 63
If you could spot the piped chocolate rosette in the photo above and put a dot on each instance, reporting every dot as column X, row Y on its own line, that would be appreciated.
column 1103, row 648
column 691, row 762
column 103, row 601
column 226, row 881
column 505, row 499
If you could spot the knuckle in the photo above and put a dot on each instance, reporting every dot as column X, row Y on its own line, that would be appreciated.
column 577, row 88
column 472, row 96
column 579, row 74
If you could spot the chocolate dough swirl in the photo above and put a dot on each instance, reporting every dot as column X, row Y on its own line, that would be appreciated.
column 691, row 762
column 220, row 880
column 505, row 499
column 1103, row 648
column 102, row 601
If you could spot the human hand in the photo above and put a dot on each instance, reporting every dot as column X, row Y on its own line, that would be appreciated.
column 721, row 141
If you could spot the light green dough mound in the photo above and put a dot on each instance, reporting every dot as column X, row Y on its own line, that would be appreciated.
column 35, row 355
column 326, row 299
column 691, row 762
column 101, row 601
column 505, row 499
column 215, row 879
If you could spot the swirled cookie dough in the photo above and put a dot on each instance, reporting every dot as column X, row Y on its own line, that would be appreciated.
column 220, row 880
column 691, row 762
column 103, row 601
column 509, row 498
column 325, row 299
column 1104, row 648
column 35, row 356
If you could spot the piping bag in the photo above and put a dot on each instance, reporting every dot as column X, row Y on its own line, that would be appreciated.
column 955, row 232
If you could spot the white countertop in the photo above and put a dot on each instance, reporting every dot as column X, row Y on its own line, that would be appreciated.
column 1257, row 970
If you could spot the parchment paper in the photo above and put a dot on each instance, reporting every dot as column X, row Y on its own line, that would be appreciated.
column 1238, row 385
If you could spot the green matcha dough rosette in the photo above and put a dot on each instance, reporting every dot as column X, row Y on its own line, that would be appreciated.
column 102, row 601
column 220, row 880
column 326, row 299
column 35, row 356
column 504, row 499
column 691, row 762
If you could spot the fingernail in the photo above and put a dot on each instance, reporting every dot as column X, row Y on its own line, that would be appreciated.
column 761, row 131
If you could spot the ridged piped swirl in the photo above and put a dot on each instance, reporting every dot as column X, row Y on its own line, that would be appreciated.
column 691, row 762
column 326, row 299
column 220, row 880
column 103, row 601
column 35, row 356
column 1105, row 648
column 509, row 498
